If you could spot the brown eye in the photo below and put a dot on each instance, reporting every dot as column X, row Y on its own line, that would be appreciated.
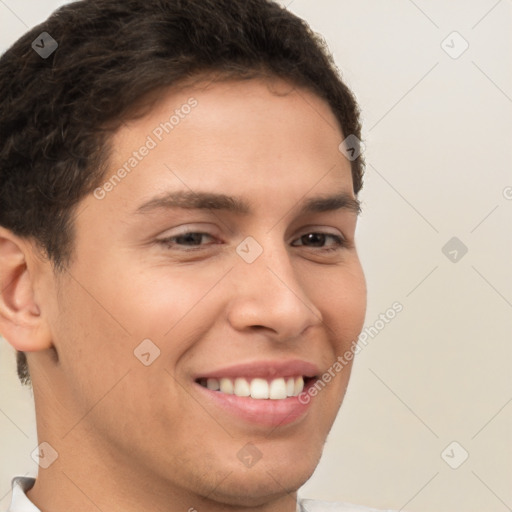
column 318, row 240
column 189, row 239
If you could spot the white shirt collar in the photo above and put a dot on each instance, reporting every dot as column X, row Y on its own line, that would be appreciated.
column 21, row 485
column 20, row 502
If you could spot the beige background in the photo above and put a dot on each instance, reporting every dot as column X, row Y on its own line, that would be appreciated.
column 438, row 134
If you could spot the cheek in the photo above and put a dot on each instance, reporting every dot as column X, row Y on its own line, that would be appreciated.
column 89, row 337
column 170, row 301
column 341, row 297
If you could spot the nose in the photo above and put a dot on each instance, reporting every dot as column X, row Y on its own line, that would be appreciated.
column 269, row 296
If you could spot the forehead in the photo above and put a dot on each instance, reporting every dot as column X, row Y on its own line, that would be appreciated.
column 230, row 137
column 224, row 99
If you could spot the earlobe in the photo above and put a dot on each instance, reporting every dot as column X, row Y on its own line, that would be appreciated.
column 21, row 321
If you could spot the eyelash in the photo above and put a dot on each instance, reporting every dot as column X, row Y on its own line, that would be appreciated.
column 341, row 243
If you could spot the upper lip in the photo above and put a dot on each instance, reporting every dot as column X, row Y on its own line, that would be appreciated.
column 265, row 369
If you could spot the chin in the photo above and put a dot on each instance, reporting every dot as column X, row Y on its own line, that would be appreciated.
column 265, row 481
column 258, row 488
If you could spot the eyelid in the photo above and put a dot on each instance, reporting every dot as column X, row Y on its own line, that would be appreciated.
column 205, row 228
column 167, row 239
column 325, row 230
column 340, row 241
column 191, row 228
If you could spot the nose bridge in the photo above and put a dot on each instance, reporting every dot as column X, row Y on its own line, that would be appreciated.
column 269, row 292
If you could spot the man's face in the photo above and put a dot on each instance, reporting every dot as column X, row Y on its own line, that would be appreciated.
column 268, row 290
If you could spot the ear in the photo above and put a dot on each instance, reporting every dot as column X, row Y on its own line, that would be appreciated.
column 21, row 322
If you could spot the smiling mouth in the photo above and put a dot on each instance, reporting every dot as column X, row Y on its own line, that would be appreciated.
column 258, row 388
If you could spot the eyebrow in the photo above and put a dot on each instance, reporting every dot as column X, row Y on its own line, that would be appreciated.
column 213, row 201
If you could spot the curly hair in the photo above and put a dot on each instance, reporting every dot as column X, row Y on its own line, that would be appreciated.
column 57, row 113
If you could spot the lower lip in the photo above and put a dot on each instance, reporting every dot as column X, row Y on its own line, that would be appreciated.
column 268, row 413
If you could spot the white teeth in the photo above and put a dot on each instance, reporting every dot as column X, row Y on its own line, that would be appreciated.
column 258, row 389
column 226, row 386
column 277, row 389
column 213, row 384
column 290, row 386
column 299, row 386
column 242, row 387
